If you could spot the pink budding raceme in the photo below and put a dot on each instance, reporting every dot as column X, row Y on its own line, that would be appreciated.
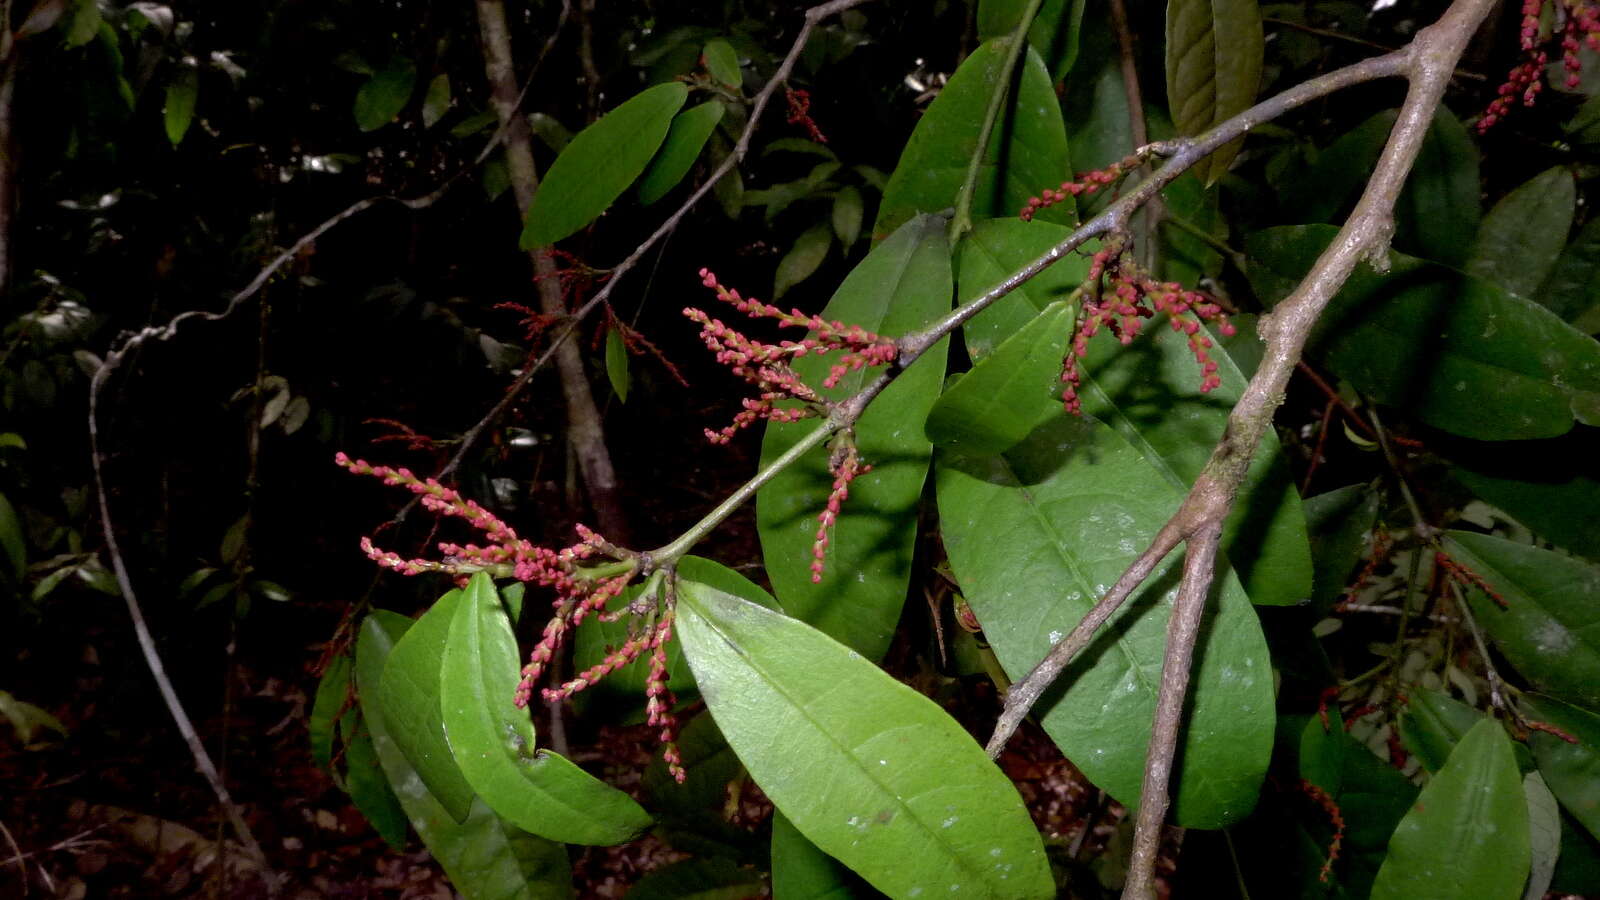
column 1576, row 23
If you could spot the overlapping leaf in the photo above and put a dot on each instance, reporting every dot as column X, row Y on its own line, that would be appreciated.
column 1008, row 392
column 902, row 285
column 801, row 871
column 492, row 740
column 1337, row 523
column 890, row 785
column 1520, row 239
column 178, row 110
column 685, row 139
column 1054, row 32
column 1459, row 352
column 1572, row 770
column 385, row 94
column 1036, row 536
column 1573, row 285
column 408, row 698
column 1214, row 54
column 600, row 163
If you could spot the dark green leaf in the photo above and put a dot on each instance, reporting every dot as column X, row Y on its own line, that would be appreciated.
column 617, row 363
column 801, row 871
column 847, row 210
column 1571, row 770
column 902, row 285
column 1548, row 628
column 496, row 177
column 1036, row 536
column 474, row 123
column 803, row 259
column 1578, row 866
column 436, row 102
column 1054, row 32
column 722, row 62
column 1029, row 137
column 991, row 252
column 1433, row 724
column 1521, row 237
column 493, row 740
column 1467, row 835
column 1460, row 353
column 385, row 94
column 178, row 111
column 891, row 785
column 486, row 858
column 1551, row 487
column 1437, row 214
column 1214, row 54
column 600, row 163
column 13, row 543
column 1010, row 391
column 84, row 24
column 409, row 699
column 1574, row 281
column 549, row 129
column 1544, row 835
column 1338, row 523
column 369, row 787
column 685, row 139
column 333, row 694
column 699, row 879
column 693, row 815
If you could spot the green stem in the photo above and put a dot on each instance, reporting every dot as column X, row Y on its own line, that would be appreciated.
column 961, row 223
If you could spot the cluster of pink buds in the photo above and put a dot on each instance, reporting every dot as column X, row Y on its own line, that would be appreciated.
column 1122, row 304
column 1454, row 571
column 1085, row 183
column 580, row 591
column 1579, row 24
column 800, row 113
column 845, row 464
column 767, row 365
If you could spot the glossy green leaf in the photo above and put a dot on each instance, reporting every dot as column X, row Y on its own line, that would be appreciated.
column 368, row 786
column 1520, row 239
column 178, row 110
column 1467, row 834
column 803, row 259
column 1054, row 32
column 1029, row 138
column 722, row 62
column 1433, row 724
column 715, row 878
column 1572, row 770
column 1036, row 536
column 1150, row 392
column 902, row 285
column 1554, row 494
column 890, row 785
column 1214, row 54
column 694, row 813
column 1574, row 281
column 1458, row 352
column 1578, row 867
column 1544, row 835
column 1550, row 626
column 1010, row 391
column 330, row 704
column 1437, row 214
column 385, row 94
column 13, row 543
column 600, row 163
column 493, row 740
column 486, row 858
column 436, row 102
column 409, row 698
column 617, row 363
column 847, row 212
column 1338, row 523
column 685, row 139
column 801, row 871
column 84, row 24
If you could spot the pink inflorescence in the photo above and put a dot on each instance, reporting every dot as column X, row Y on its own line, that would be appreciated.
column 1085, row 183
column 1127, row 299
column 767, row 365
column 845, row 464
column 1579, row 24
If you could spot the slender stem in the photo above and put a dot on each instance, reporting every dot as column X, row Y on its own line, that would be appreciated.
column 1496, row 683
column 961, row 223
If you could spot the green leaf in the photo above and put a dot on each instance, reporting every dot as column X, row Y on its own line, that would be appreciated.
column 600, row 163
column 178, row 111
column 1214, row 54
column 1578, row 867
column 1571, row 770
column 803, row 259
column 549, row 129
column 436, row 102
column 493, row 740
column 847, row 210
column 85, row 23
column 1544, row 835
column 1549, row 486
column 13, row 543
column 1337, row 523
column 617, row 363
column 694, row 813
column 1029, row 137
column 1437, row 214
column 1010, row 391
column 486, row 858
column 699, row 879
column 722, row 62
column 1458, row 352
column 1433, row 724
column 1150, row 392
column 1550, row 626
column 1520, row 238
column 1035, row 537
column 385, row 94
column 409, row 698
column 685, row 139
column 329, row 706
column 1574, row 281
column 368, row 786
column 801, row 871
column 1467, row 834
column 903, row 285
column 1053, row 33
column 891, row 786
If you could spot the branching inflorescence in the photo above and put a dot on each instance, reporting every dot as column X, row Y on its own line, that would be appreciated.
column 1577, row 22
